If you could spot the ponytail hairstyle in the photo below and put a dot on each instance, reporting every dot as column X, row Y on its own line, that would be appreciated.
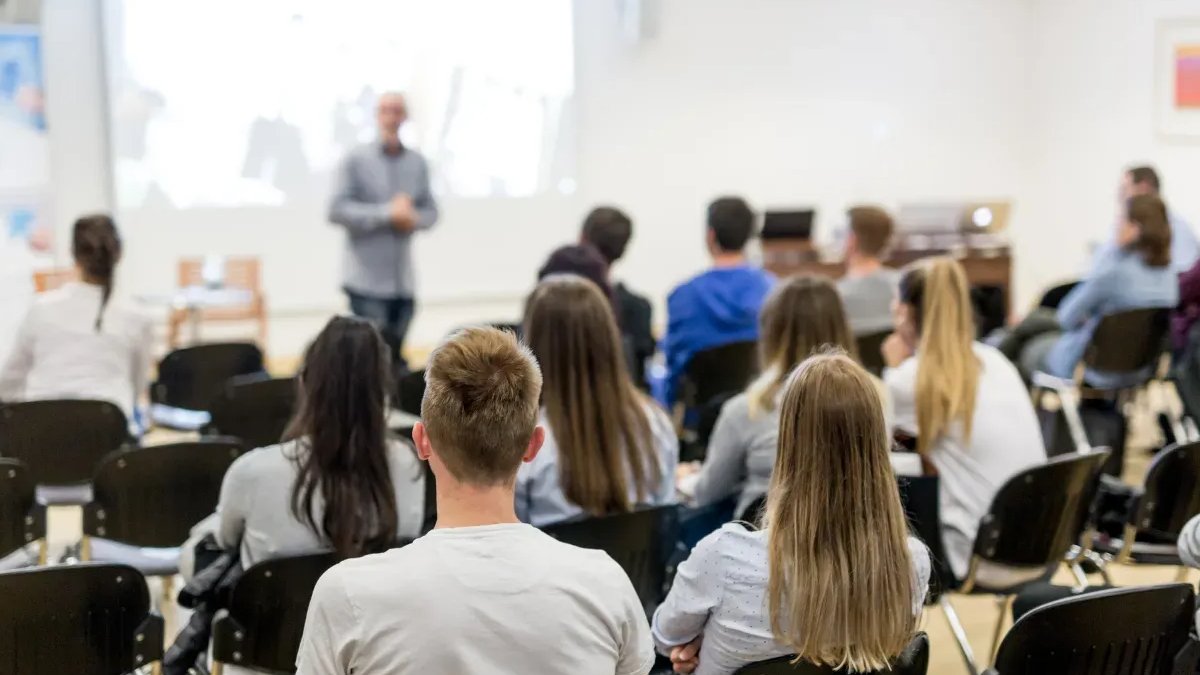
column 1148, row 214
column 96, row 247
column 840, row 587
column 939, row 300
column 340, row 423
column 800, row 316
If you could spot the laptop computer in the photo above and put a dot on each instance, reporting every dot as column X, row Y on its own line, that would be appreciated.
column 788, row 224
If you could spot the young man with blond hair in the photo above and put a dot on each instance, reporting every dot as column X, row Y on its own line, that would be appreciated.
column 482, row 592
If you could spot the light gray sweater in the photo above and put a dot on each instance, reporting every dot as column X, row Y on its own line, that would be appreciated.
column 741, row 454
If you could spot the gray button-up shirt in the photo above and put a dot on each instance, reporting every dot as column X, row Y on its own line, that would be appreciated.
column 377, row 261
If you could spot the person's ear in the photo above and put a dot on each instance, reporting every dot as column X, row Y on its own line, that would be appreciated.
column 421, row 439
column 535, row 444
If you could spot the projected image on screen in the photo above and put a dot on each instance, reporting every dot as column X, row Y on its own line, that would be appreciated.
column 229, row 103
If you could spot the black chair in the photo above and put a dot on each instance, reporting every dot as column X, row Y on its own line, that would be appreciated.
column 151, row 497
column 641, row 542
column 1168, row 500
column 61, row 442
column 264, row 620
column 22, row 518
column 1130, row 631
column 1053, row 297
column 253, row 408
column 711, row 377
column 1127, row 343
column 1033, row 522
column 410, row 391
column 991, row 308
column 913, row 661
column 92, row 619
column 190, row 379
column 919, row 496
column 870, row 351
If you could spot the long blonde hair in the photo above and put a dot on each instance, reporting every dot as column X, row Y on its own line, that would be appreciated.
column 802, row 315
column 595, row 413
column 939, row 298
column 841, row 589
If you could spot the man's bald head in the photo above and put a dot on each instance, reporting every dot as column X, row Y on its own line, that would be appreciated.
column 391, row 112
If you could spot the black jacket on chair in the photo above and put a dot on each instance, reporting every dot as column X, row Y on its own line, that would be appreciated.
column 206, row 594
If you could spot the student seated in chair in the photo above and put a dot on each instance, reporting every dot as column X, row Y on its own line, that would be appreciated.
column 962, row 400
column 868, row 288
column 1138, row 275
column 719, row 306
column 609, row 447
column 76, row 344
column 337, row 481
column 482, row 593
column 1144, row 181
column 608, row 230
column 802, row 315
column 833, row 577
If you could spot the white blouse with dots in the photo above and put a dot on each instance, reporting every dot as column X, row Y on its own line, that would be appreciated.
column 720, row 591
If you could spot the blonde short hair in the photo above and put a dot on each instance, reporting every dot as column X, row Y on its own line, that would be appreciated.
column 482, row 389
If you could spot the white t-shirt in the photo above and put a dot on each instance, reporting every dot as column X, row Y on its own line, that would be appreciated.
column 489, row 599
column 1005, row 439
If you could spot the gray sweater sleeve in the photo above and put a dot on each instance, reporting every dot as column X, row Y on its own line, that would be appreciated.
column 724, row 470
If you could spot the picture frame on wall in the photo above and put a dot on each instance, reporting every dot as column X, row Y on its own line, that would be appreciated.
column 1177, row 79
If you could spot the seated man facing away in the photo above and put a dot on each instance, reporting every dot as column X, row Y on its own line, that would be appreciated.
column 481, row 593
column 868, row 288
column 719, row 306
column 609, row 230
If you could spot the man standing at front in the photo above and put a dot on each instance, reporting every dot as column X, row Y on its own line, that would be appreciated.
column 382, row 197
column 481, row 594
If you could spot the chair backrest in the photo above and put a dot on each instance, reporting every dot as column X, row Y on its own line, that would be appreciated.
column 410, row 390
column 1053, row 297
column 1129, row 341
column 266, row 612
column 84, row 618
column 641, row 542
column 920, row 495
column 1172, row 492
column 1039, row 513
column 254, row 408
column 153, row 496
column 22, row 519
column 913, row 661
column 61, row 441
column 239, row 272
column 1131, row 631
column 870, row 351
column 720, row 370
column 193, row 377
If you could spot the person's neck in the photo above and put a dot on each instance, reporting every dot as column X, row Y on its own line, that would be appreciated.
column 461, row 505
column 723, row 259
column 392, row 146
column 862, row 266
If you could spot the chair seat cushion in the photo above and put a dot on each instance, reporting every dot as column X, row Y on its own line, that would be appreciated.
column 64, row 495
column 152, row 562
column 180, row 419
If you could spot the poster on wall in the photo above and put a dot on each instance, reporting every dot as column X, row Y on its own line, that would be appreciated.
column 1177, row 78
column 24, row 145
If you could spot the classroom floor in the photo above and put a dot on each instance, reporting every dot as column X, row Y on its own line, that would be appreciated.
column 978, row 613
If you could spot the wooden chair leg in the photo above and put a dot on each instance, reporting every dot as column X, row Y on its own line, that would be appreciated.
column 85, row 549
column 1005, row 603
column 218, row 668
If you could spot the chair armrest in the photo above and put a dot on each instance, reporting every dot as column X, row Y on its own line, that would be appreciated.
column 1043, row 380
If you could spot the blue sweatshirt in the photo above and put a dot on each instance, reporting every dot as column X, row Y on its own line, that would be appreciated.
column 716, row 308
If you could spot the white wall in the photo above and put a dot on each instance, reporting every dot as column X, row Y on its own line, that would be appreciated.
column 787, row 102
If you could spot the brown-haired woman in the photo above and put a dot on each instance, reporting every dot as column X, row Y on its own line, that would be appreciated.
column 608, row 447
column 841, row 580
column 801, row 315
column 963, row 401
column 1137, row 274
column 73, row 342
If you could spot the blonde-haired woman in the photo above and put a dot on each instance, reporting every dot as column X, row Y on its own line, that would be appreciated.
column 608, row 447
column 963, row 400
column 841, row 580
column 801, row 316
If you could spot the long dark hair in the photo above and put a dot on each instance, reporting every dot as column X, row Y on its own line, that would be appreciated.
column 597, row 416
column 1149, row 214
column 340, row 420
column 96, row 246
